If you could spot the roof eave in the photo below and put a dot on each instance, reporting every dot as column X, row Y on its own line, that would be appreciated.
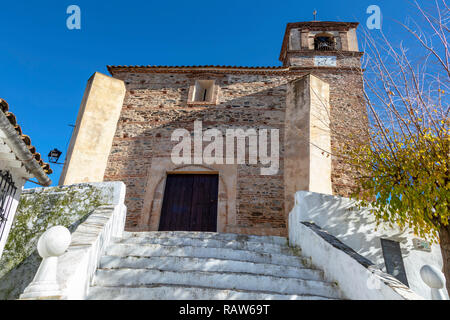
column 207, row 68
column 21, row 150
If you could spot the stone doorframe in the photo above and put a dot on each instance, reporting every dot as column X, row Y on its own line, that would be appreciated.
column 156, row 182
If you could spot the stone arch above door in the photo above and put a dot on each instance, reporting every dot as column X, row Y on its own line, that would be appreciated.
column 154, row 191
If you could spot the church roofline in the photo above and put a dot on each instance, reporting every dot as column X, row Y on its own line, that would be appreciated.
column 274, row 70
column 149, row 68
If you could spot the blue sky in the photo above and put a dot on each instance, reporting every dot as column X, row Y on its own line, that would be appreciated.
column 44, row 66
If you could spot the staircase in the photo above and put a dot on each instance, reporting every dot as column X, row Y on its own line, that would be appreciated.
column 204, row 266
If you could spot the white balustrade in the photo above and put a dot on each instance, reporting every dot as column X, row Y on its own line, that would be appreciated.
column 435, row 279
column 52, row 244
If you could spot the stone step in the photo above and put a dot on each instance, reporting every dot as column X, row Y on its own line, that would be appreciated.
column 208, row 235
column 158, row 250
column 166, row 292
column 219, row 280
column 208, row 264
column 186, row 240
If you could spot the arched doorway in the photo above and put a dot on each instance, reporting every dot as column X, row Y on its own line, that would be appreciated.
column 149, row 219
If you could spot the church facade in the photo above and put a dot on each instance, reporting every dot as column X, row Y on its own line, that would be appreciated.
column 301, row 110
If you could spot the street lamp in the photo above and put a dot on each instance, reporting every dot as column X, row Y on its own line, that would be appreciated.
column 54, row 155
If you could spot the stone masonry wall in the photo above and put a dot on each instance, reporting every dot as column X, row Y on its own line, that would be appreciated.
column 156, row 104
column 348, row 122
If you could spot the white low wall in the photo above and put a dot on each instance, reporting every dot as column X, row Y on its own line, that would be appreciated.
column 76, row 267
column 356, row 228
column 353, row 274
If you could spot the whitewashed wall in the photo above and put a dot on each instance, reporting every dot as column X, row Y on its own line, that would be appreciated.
column 357, row 229
column 19, row 183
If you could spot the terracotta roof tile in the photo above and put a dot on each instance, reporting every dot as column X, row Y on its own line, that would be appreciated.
column 199, row 66
column 26, row 139
column 111, row 69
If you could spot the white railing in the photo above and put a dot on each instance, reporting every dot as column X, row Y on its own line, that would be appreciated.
column 435, row 279
column 52, row 244
column 70, row 260
column 357, row 229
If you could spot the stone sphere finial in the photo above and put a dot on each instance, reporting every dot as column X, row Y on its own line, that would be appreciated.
column 432, row 276
column 54, row 242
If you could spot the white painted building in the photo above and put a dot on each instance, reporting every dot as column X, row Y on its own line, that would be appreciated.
column 19, row 162
column 394, row 251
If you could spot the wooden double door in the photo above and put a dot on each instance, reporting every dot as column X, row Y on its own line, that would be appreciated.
column 190, row 203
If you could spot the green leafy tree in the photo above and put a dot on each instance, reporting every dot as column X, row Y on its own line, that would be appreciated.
column 402, row 164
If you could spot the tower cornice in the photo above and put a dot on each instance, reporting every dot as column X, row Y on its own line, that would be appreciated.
column 314, row 26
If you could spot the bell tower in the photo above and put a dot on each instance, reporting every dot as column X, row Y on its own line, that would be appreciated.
column 320, row 44
column 326, row 54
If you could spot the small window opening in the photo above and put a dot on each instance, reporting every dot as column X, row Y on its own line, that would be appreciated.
column 203, row 90
column 324, row 43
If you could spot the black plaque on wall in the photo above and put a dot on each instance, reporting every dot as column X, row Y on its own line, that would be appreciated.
column 393, row 260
